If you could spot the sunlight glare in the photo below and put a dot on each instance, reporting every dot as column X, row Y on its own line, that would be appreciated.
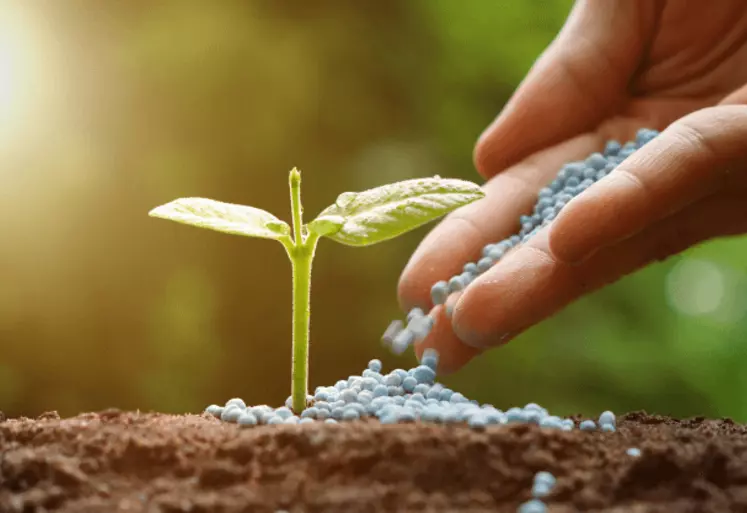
column 17, row 60
column 8, row 72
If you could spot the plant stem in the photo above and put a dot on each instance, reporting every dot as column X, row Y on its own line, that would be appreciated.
column 301, row 255
column 301, row 322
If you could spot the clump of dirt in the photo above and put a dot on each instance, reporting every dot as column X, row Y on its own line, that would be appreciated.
column 124, row 461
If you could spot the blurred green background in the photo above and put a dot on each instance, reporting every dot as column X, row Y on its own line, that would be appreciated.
column 108, row 109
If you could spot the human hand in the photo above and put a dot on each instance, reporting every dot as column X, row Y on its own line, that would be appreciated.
column 662, row 61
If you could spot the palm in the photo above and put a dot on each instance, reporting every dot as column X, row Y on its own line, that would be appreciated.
column 695, row 56
column 662, row 60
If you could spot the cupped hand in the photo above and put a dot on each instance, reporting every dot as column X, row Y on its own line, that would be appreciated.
column 616, row 66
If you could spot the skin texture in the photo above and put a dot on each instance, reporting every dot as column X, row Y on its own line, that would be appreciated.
column 678, row 66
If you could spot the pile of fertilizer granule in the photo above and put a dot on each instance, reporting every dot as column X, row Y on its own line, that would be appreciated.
column 399, row 396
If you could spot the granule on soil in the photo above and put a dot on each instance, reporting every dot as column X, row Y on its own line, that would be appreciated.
column 399, row 396
column 142, row 462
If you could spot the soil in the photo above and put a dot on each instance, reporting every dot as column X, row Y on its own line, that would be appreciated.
column 127, row 461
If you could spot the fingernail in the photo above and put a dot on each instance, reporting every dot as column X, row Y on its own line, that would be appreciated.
column 466, row 334
column 479, row 340
column 470, row 338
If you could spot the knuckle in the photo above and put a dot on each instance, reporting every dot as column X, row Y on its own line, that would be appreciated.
column 691, row 134
column 643, row 195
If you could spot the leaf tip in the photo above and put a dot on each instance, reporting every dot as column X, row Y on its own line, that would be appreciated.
column 157, row 212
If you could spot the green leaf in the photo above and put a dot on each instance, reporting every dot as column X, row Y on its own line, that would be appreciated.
column 223, row 217
column 326, row 225
column 386, row 212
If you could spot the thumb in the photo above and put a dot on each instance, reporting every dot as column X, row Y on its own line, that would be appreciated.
column 697, row 156
column 577, row 82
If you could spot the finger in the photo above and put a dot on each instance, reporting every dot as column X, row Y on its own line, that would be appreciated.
column 580, row 79
column 460, row 237
column 689, row 160
column 531, row 285
column 738, row 97
column 450, row 303
column 452, row 353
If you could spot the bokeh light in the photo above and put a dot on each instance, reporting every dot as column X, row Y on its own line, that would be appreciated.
column 696, row 287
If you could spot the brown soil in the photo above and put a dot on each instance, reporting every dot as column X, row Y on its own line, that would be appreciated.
column 120, row 461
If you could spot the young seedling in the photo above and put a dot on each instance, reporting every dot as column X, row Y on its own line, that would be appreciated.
column 355, row 219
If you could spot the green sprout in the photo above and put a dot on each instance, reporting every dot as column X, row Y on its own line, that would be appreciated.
column 355, row 219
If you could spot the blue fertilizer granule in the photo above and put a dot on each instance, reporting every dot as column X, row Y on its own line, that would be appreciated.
column 532, row 506
column 633, row 452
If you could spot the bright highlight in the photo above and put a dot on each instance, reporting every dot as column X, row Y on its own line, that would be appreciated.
column 9, row 69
